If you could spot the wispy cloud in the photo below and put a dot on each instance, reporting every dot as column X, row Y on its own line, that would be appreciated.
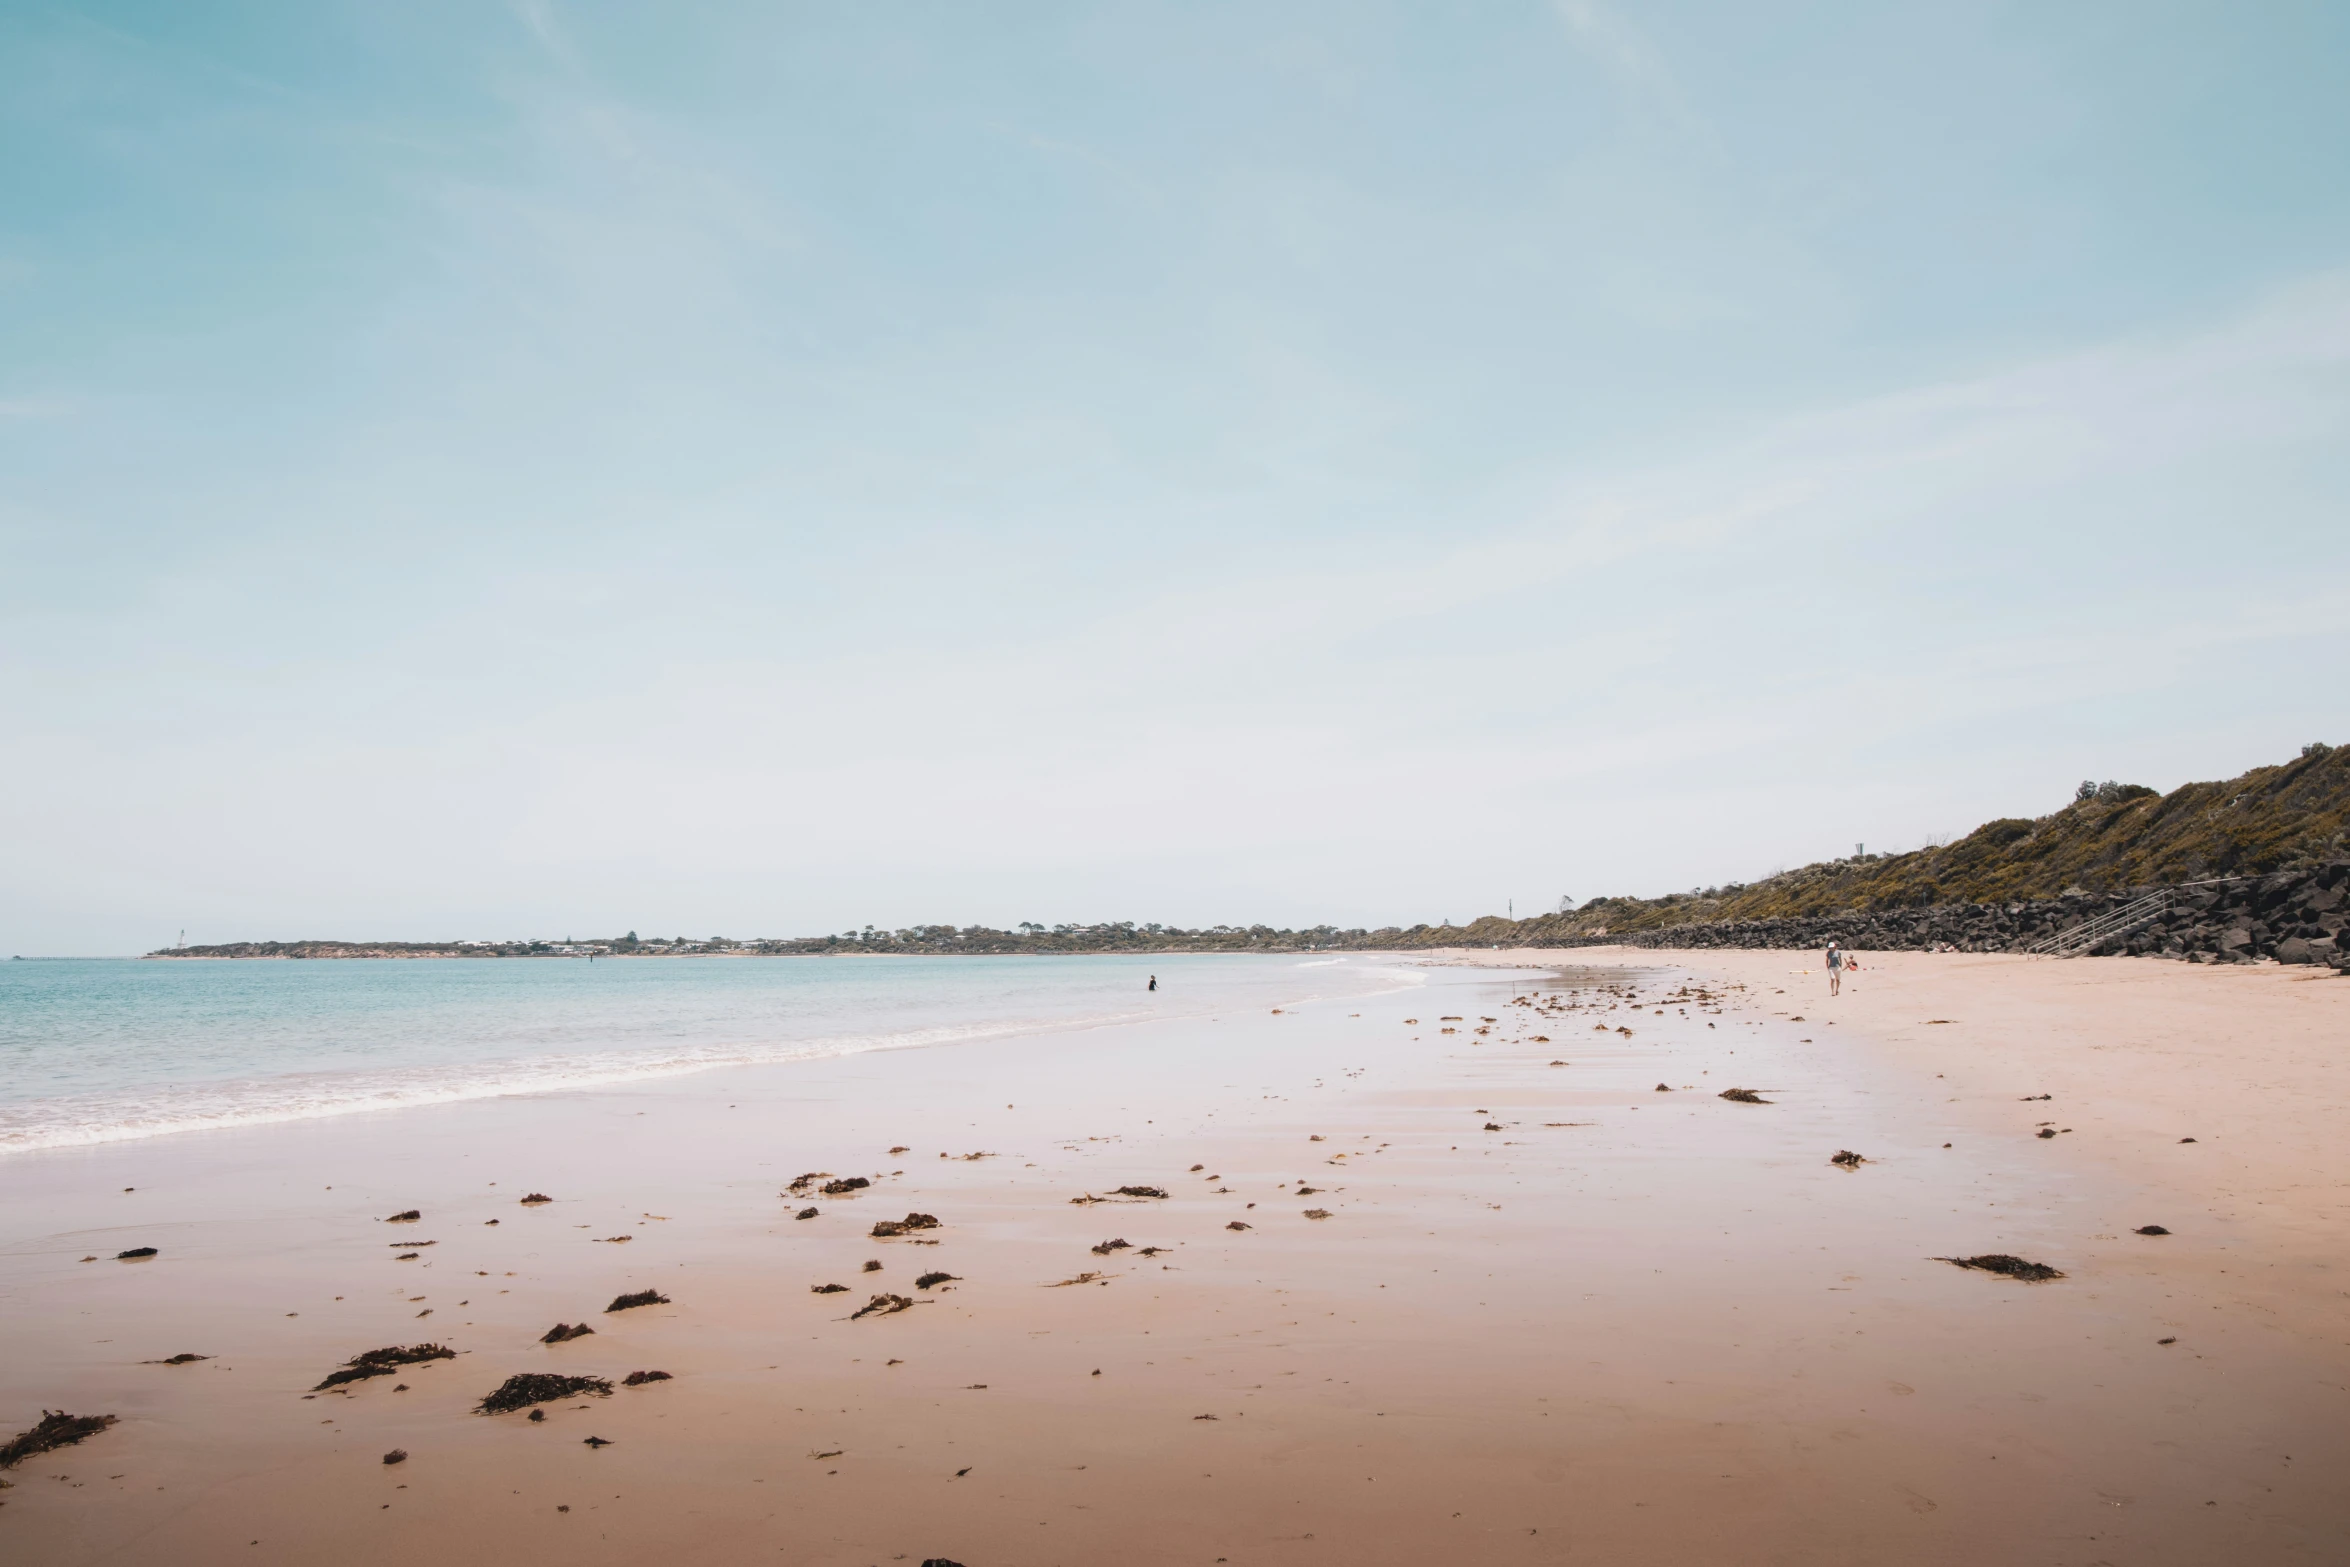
column 539, row 16
column 1638, row 67
column 2278, row 372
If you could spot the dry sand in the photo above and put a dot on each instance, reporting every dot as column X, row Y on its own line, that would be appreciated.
column 1625, row 1327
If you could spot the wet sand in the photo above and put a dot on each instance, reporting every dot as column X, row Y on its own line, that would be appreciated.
column 1625, row 1326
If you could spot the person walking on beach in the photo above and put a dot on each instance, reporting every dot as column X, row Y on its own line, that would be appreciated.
column 1835, row 968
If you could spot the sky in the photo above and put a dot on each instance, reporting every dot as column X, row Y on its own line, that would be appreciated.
column 472, row 470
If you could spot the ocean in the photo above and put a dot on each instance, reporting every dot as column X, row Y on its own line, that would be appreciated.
column 100, row 1050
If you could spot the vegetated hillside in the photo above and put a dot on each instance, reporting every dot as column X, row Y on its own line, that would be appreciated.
column 2110, row 838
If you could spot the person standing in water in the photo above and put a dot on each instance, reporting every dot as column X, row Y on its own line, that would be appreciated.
column 1835, row 968
column 1154, row 982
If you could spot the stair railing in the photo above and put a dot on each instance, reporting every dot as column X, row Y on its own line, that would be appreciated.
column 2095, row 932
column 2126, row 920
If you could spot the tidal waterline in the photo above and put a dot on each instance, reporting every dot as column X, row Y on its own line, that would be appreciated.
column 103, row 1050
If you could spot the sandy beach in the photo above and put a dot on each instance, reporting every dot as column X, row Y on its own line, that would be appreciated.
column 1562, row 1302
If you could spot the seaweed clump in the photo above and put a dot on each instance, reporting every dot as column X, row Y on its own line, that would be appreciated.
column 565, row 1332
column 1140, row 1191
column 640, row 1298
column 526, row 1388
column 931, row 1280
column 912, row 1221
column 2001, row 1263
column 882, row 1306
column 640, row 1378
column 383, row 1362
column 57, row 1429
column 1744, row 1096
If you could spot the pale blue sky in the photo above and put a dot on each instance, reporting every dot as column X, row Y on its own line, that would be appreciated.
column 472, row 469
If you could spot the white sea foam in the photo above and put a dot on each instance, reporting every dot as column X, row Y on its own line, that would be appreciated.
column 86, row 1120
column 154, row 1093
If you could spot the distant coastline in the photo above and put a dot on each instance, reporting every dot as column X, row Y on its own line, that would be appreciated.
column 2004, row 885
column 924, row 940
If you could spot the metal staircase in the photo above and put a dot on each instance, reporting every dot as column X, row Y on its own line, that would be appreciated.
column 2126, row 920
column 2090, row 934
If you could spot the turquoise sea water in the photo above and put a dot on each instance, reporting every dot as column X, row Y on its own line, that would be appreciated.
column 99, row 1050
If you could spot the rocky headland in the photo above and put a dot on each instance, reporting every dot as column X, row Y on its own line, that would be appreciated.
column 2291, row 916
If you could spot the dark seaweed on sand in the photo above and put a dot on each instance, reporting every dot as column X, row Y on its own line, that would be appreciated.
column 881, row 1306
column 383, row 1362
column 565, row 1332
column 2001, row 1263
column 526, row 1388
column 928, row 1280
column 1744, row 1096
column 912, row 1221
column 57, row 1429
column 640, row 1378
column 134, row 1254
column 1140, row 1191
column 640, row 1298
